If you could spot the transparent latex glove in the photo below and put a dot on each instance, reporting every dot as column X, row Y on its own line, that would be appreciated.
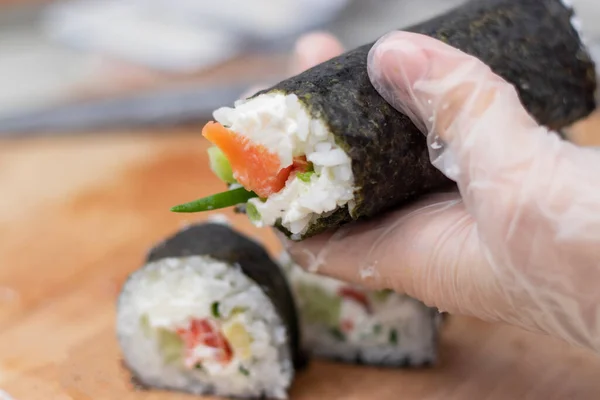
column 519, row 243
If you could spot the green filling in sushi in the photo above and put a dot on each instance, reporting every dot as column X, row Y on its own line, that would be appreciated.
column 210, row 313
column 346, row 322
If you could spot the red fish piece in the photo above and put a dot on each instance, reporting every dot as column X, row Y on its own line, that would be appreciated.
column 206, row 333
column 355, row 295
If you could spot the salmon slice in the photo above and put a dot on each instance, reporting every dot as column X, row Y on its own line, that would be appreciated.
column 253, row 165
column 355, row 295
column 203, row 332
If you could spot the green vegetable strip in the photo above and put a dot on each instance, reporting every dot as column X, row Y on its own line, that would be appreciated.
column 377, row 329
column 304, row 176
column 382, row 295
column 220, row 200
column 219, row 164
column 393, row 337
column 214, row 308
column 319, row 306
column 336, row 333
column 170, row 345
column 252, row 212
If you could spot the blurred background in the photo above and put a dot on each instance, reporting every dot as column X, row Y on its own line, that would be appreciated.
column 102, row 64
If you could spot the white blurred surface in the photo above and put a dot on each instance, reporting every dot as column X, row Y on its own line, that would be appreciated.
column 181, row 35
column 131, row 32
column 36, row 70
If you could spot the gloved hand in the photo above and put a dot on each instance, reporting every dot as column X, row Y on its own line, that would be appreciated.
column 519, row 243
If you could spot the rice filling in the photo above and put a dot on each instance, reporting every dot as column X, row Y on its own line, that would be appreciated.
column 201, row 325
column 280, row 123
column 347, row 322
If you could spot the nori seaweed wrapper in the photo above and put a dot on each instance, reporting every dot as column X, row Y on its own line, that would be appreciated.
column 223, row 243
column 530, row 43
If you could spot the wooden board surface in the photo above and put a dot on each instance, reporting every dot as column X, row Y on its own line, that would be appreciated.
column 77, row 215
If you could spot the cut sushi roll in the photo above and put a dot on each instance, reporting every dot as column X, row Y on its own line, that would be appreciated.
column 210, row 313
column 323, row 148
column 345, row 322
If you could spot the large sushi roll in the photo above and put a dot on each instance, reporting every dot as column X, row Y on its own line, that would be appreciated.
column 210, row 313
column 323, row 148
column 346, row 322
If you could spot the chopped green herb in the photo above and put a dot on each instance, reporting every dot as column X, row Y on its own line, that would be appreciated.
column 305, row 176
column 393, row 337
column 170, row 345
column 339, row 335
column 219, row 164
column 216, row 201
column 377, row 329
column 252, row 212
column 244, row 371
column 214, row 308
column 198, row 365
column 320, row 306
column 145, row 325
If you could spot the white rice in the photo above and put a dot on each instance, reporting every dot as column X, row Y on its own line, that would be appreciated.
column 415, row 324
column 281, row 124
column 171, row 292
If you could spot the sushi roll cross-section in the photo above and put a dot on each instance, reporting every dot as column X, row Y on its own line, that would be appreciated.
column 348, row 323
column 323, row 148
column 210, row 313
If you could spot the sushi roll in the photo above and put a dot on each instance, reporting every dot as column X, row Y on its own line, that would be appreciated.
column 210, row 313
column 347, row 323
column 323, row 148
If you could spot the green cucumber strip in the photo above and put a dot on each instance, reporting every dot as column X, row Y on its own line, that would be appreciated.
column 338, row 334
column 214, row 308
column 216, row 201
column 393, row 337
column 219, row 164
column 319, row 306
column 252, row 212
column 382, row 295
column 305, row 176
column 377, row 329
column 170, row 345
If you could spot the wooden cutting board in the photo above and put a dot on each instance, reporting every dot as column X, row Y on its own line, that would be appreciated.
column 77, row 215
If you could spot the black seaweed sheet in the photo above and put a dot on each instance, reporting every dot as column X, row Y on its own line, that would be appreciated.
column 531, row 43
column 225, row 244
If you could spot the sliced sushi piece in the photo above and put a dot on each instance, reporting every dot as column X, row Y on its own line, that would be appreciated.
column 323, row 148
column 345, row 322
column 210, row 313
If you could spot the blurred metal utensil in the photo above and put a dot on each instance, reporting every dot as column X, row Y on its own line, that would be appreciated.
column 162, row 108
